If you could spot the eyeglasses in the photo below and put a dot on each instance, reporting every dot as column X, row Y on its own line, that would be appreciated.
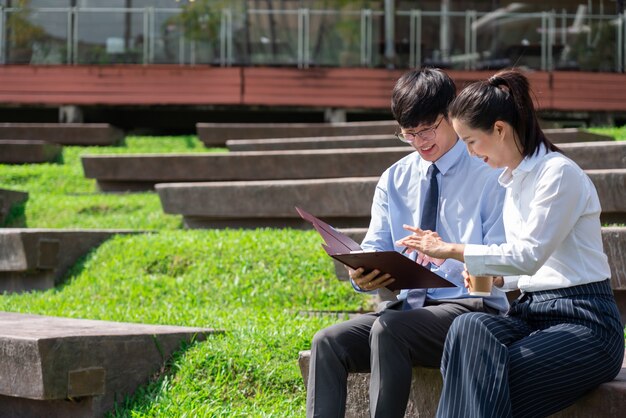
column 426, row 134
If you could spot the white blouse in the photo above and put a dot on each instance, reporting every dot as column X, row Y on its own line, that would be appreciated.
column 552, row 225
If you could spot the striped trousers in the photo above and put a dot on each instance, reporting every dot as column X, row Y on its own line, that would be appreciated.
column 550, row 348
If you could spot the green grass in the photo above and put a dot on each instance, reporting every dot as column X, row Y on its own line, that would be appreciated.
column 254, row 284
column 619, row 133
column 61, row 197
column 250, row 283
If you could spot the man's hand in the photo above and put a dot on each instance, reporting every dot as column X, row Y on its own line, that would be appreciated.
column 370, row 281
column 424, row 259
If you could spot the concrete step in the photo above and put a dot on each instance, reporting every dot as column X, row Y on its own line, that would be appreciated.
column 61, row 367
column 8, row 200
column 37, row 259
column 603, row 402
column 17, row 151
column 63, row 133
column 216, row 134
column 384, row 139
column 343, row 202
column 141, row 172
column 320, row 142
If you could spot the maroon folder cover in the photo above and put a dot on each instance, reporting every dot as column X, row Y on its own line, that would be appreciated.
column 408, row 274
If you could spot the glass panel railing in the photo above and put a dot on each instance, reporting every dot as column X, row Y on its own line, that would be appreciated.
column 589, row 43
column 225, row 34
column 120, row 41
column 511, row 40
column 167, row 37
column 35, row 36
column 272, row 37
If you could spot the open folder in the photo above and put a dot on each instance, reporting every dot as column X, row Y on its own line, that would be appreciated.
column 408, row 274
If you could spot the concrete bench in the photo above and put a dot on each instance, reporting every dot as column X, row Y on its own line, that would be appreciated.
column 216, row 134
column 320, row 142
column 343, row 202
column 8, row 200
column 37, row 259
column 608, row 400
column 59, row 367
column 141, row 172
column 63, row 133
column 558, row 136
column 14, row 151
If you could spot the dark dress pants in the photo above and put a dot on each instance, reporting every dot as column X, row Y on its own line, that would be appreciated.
column 387, row 344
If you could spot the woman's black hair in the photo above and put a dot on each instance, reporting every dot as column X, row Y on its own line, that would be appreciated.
column 506, row 96
column 420, row 96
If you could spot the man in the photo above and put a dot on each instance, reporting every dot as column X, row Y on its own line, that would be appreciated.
column 439, row 187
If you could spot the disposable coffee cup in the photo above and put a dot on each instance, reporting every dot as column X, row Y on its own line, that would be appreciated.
column 480, row 285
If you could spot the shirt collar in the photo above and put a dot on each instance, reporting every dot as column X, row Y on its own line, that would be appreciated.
column 446, row 161
column 526, row 166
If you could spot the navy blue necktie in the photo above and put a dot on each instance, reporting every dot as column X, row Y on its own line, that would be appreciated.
column 415, row 297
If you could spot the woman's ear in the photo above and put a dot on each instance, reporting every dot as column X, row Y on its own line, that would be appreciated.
column 499, row 128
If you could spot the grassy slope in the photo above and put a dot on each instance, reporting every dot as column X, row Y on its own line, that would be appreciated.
column 250, row 283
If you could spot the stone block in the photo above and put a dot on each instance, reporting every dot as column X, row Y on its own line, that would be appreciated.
column 14, row 151
column 320, row 142
column 63, row 133
column 608, row 400
column 597, row 155
column 611, row 187
column 59, row 367
column 342, row 202
column 141, row 172
column 8, row 200
column 216, row 134
column 559, row 136
column 566, row 135
column 37, row 259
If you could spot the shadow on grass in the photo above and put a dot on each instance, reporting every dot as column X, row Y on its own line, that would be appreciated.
column 150, row 392
column 16, row 218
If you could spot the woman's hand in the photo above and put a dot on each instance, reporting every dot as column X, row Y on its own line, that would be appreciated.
column 370, row 281
column 431, row 244
column 498, row 281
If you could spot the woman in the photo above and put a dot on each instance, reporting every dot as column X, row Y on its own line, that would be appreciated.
column 563, row 335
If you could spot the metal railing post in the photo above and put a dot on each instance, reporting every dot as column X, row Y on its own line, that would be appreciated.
column 415, row 39
column 551, row 40
column 544, row 41
column 304, row 55
column 74, row 12
column 223, row 38
column 146, row 39
column 2, row 26
column 366, row 37
column 152, row 34
column 470, row 39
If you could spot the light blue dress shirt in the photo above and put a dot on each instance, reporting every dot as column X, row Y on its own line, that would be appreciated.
column 469, row 212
